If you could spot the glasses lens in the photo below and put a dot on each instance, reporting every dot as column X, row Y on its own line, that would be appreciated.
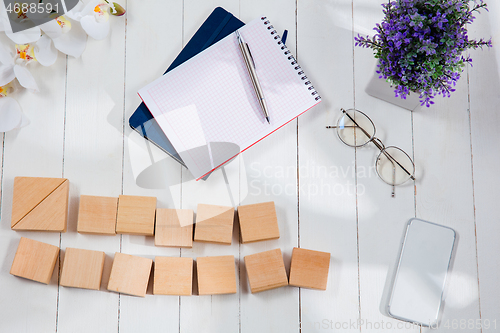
column 354, row 128
column 394, row 166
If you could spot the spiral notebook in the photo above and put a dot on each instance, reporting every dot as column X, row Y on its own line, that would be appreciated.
column 218, row 25
column 207, row 106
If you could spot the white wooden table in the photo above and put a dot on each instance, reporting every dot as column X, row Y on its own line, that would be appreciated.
column 79, row 130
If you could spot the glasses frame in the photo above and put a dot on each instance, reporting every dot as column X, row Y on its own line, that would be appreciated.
column 380, row 145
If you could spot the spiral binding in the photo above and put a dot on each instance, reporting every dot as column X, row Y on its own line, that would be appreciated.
column 292, row 58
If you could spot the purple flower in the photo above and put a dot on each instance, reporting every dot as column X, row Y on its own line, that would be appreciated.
column 420, row 44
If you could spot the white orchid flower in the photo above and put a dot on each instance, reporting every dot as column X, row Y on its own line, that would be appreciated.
column 93, row 17
column 59, row 34
column 15, row 66
column 11, row 116
column 67, row 33
column 27, row 36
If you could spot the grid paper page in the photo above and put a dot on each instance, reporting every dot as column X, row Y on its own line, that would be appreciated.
column 207, row 106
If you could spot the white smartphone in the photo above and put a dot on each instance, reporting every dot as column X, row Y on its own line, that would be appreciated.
column 419, row 281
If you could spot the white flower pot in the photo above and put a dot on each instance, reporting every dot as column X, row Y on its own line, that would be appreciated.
column 381, row 89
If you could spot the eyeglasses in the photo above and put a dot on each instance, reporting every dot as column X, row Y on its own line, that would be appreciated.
column 393, row 165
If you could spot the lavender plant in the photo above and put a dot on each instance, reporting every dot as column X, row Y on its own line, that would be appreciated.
column 420, row 45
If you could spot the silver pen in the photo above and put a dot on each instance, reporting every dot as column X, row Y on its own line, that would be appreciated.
column 247, row 56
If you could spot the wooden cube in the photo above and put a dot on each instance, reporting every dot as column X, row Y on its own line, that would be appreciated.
column 136, row 215
column 174, row 227
column 266, row 270
column 214, row 224
column 309, row 269
column 34, row 260
column 130, row 274
column 40, row 204
column 173, row 276
column 82, row 268
column 216, row 275
column 258, row 222
column 97, row 215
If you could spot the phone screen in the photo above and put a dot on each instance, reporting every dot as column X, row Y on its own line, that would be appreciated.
column 421, row 272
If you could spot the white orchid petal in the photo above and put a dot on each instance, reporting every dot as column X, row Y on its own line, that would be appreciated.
column 45, row 52
column 24, row 121
column 26, row 36
column 4, row 25
column 25, row 78
column 89, row 8
column 10, row 114
column 6, row 74
column 96, row 30
column 5, row 21
column 52, row 29
column 6, row 56
column 73, row 42
column 76, row 12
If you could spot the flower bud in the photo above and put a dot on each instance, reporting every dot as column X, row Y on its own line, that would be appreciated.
column 116, row 10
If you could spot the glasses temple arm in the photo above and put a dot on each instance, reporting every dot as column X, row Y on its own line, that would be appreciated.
column 380, row 147
column 393, row 160
column 355, row 123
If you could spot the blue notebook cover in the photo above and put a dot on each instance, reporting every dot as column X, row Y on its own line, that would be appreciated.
column 217, row 26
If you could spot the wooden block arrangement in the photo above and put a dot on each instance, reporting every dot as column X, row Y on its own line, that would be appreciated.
column 216, row 275
column 258, row 222
column 40, row 204
column 34, row 260
column 174, row 227
column 214, row 224
column 130, row 274
column 82, row 268
column 266, row 270
column 97, row 215
column 173, row 276
column 309, row 269
column 136, row 215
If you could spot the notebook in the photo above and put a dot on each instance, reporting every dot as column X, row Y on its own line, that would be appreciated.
column 207, row 106
column 218, row 25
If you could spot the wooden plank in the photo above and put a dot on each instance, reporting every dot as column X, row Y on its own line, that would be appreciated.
column 309, row 268
column 214, row 224
column 154, row 38
column 173, row 276
column 136, row 215
column 34, row 260
column 484, row 100
column 209, row 310
column 93, row 163
column 381, row 218
column 446, row 197
column 218, row 189
column 174, row 227
column 32, row 151
column 2, row 146
column 258, row 222
column 271, row 175
column 265, row 270
column 216, row 275
column 97, row 215
column 379, row 241
column 82, row 268
column 327, row 187
column 130, row 274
